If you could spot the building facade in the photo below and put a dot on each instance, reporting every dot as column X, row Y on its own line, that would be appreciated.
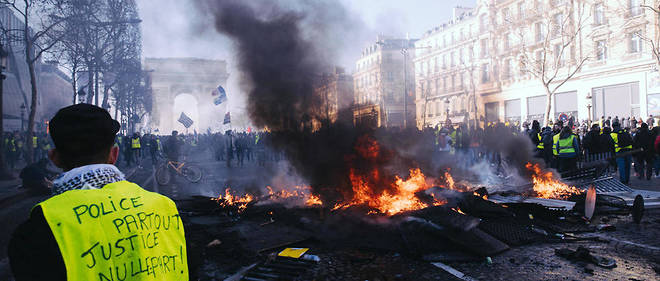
column 335, row 90
column 53, row 86
column 383, row 84
column 447, row 61
column 595, row 56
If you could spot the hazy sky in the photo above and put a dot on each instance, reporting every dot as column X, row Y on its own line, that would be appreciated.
column 173, row 28
column 169, row 29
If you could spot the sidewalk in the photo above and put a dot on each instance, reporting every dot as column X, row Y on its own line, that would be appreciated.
column 651, row 185
column 9, row 190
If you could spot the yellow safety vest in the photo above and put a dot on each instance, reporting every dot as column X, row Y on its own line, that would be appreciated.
column 566, row 145
column 34, row 142
column 119, row 232
column 158, row 144
column 540, row 145
column 135, row 143
column 555, row 140
column 615, row 137
column 12, row 146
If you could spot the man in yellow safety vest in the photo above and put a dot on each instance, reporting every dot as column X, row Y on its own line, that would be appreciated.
column 566, row 147
column 136, row 148
column 97, row 226
column 622, row 143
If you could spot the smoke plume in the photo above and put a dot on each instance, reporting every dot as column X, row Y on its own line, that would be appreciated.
column 281, row 51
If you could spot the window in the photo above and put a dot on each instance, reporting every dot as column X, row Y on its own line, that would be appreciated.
column 482, row 23
column 599, row 14
column 601, row 50
column 507, row 40
column 521, row 10
column 539, row 56
column 444, row 84
column 471, row 50
column 635, row 8
column 462, row 34
column 390, row 76
column 461, row 59
column 485, row 75
column 506, row 15
column 444, row 61
column 507, row 69
column 635, row 42
column 540, row 31
column 436, row 67
column 462, row 82
column 453, row 62
column 453, row 82
column 559, row 55
column 484, row 48
column 557, row 24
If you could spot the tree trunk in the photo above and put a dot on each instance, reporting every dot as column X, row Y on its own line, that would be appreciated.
column 90, row 84
column 4, row 174
column 33, row 112
column 74, row 84
column 548, row 106
column 96, row 86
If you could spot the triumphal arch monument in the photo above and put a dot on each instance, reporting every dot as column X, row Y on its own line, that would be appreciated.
column 185, row 85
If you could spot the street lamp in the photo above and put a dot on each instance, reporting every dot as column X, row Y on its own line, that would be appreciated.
column 447, row 107
column 589, row 105
column 22, row 117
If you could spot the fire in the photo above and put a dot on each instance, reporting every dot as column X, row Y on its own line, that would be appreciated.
column 546, row 186
column 313, row 200
column 402, row 197
column 240, row 202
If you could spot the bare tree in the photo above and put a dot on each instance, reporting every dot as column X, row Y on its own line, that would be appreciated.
column 654, row 40
column 546, row 60
column 34, row 36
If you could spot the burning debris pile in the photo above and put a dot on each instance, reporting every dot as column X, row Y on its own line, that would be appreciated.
column 377, row 190
column 547, row 186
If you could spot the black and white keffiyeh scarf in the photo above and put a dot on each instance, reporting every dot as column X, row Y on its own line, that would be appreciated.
column 87, row 177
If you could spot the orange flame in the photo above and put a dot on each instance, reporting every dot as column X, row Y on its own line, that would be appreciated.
column 546, row 186
column 240, row 202
column 313, row 200
column 403, row 196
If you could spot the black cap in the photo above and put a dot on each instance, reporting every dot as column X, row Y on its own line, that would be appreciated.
column 82, row 129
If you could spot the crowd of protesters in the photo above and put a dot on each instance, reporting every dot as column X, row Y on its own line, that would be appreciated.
column 235, row 149
column 16, row 147
column 622, row 142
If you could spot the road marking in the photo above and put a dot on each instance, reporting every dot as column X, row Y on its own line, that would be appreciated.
column 453, row 271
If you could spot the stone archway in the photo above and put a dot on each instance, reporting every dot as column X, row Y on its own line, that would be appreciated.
column 185, row 76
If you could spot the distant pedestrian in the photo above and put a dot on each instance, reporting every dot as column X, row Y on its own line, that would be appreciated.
column 622, row 144
column 567, row 146
column 644, row 159
column 136, row 148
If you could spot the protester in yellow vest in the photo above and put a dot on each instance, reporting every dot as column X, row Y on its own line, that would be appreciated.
column 566, row 147
column 136, row 148
column 622, row 144
column 97, row 226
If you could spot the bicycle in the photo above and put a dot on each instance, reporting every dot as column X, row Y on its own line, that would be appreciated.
column 190, row 172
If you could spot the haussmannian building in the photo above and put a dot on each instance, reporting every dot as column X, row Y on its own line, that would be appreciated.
column 335, row 91
column 383, row 75
column 478, row 66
